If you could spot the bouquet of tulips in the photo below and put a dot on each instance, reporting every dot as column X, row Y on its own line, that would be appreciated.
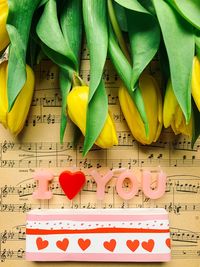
column 131, row 33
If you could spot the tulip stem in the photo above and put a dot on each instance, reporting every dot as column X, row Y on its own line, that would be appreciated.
column 77, row 81
column 117, row 30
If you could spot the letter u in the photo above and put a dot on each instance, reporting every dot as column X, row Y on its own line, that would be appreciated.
column 161, row 185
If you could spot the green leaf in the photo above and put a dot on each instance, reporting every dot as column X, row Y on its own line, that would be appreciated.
column 71, row 25
column 43, row 2
column 96, row 116
column 178, row 37
column 50, row 33
column 195, row 123
column 189, row 9
column 63, row 46
column 144, row 34
column 164, row 66
column 197, row 45
column 18, row 27
column 65, row 80
column 32, row 52
column 95, row 21
column 121, row 16
column 125, row 71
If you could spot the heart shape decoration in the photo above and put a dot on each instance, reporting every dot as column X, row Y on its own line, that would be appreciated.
column 71, row 183
column 41, row 244
column 110, row 245
column 84, row 244
column 168, row 242
column 132, row 244
column 149, row 245
column 62, row 244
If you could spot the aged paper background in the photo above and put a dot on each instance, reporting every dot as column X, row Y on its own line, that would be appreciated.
column 38, row 147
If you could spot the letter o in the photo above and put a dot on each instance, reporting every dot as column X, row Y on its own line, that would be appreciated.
column 119, row 186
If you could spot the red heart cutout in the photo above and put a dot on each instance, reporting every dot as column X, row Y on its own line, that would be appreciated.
column 41, row 244
column 110, row 245
column 168, row 242
column 71, row 183
column 84, row 244
column 62, row 244
column 132, row 245
column 149, row 245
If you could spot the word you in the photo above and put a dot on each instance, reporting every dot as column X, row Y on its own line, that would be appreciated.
column 72, row 183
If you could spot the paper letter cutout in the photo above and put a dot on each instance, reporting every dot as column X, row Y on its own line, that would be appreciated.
column 119, row 186
column 161, row 185
column 43, row 178
column 101, row 182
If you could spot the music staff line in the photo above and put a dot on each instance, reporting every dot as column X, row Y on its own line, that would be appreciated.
column 53, row 99
column 125, row 140
column 48, row 118
column 65, row 161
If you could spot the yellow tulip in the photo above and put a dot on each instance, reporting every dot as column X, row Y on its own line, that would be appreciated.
column 153, row 107
column 4, row 39
column 173, row 115
column 77, row 101
column 196, row 81
column 15, row 119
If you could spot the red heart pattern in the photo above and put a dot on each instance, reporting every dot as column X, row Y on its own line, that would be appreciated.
column 110, row 245
column 62, row 244
column 84, row 244
column 168, row 242
column 132, row 244
column 149, row 245
column 71, row 183
column 41, row 244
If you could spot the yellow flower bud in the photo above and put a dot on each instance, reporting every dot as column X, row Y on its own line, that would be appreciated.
column 15, row 119
column 153, row 107
column 4, row 38
column 77, row 101
column 173, row 115
column 196, row 81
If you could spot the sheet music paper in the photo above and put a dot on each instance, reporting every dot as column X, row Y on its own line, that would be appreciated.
column 38, row 147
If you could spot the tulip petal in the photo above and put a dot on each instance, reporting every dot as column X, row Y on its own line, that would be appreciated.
column 190, row 10
column 4, row 38
column 3, row 93
column 95, row 21
column 144, row 34
column 170, row 106
column 195, row 123
column 18, row 26
column 77, row 105
column 16, row 119
column 179, row 44
column 196, row 81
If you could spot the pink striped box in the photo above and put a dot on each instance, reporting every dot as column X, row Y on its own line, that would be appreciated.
column 131, row 235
